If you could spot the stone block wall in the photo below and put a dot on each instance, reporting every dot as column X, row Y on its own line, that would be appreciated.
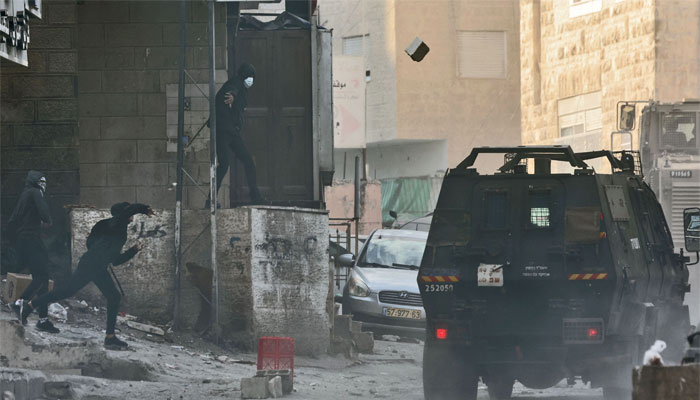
column 128, row 55
column 39, row 118
column 273, row 271
column 629, row 50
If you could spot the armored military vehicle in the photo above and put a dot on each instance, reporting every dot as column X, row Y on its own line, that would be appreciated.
column 538, row 276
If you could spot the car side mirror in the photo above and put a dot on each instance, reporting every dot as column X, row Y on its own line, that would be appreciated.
column 691, row 224
column 346, row 260
column 627, row 115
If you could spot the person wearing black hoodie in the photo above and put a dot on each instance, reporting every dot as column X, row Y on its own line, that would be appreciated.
column 231, row 101
column 25, row 225
column 104, row 246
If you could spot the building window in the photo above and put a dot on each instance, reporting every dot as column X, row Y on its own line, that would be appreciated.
column 481, row 54
column 580, row 126
column 356, row 46
column 578, row 8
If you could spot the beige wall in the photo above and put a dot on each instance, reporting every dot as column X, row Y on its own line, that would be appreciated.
column 629, row 50
column 407, row 100
column 432, row 100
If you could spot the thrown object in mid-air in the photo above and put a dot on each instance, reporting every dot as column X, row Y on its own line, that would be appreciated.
column 417, row 50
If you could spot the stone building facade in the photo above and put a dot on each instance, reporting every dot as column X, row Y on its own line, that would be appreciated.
column 579, row 58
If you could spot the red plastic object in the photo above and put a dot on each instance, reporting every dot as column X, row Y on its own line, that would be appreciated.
column 276, row 353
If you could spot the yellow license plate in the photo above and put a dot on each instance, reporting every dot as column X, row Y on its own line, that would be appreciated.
column 402, row 313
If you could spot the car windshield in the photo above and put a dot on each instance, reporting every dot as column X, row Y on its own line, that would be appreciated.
column 396, row 252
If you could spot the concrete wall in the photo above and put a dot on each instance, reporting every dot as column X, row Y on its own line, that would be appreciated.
column 273, row 263
column 409, row 101
column 127, row 62
column 340, row 201
column 38, row 116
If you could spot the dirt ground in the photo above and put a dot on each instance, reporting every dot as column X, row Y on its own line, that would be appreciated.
column 188, row 367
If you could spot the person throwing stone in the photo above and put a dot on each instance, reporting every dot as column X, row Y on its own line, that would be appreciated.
column 104, row 246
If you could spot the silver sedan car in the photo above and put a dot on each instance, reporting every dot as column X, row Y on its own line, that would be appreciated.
column 382, row 291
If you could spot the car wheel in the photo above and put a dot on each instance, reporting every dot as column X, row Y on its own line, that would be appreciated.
column 448, row 374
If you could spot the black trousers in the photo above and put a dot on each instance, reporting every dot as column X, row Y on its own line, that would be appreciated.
column 33, row 255
column 91, row 268
column 225, row 144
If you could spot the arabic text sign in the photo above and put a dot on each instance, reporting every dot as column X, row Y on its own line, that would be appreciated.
column 349, row 102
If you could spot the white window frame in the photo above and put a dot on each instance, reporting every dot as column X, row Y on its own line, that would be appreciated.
column 578, row 8
column 501, row 75
column 365, row 52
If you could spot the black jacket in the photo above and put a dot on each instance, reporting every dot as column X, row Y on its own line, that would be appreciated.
column 229, row 120
column 31, row 209
column 108, row 236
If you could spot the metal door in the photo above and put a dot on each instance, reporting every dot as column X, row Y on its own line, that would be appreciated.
column 278, row 128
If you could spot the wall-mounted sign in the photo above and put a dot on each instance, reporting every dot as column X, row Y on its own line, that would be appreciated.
column 349, row 102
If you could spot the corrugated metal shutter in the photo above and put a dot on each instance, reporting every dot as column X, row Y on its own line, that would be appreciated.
column 683, row 196
column 481, row 54
column 352, row 46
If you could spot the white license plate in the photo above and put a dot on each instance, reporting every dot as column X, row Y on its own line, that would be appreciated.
column 490, row 275
column 402, row 313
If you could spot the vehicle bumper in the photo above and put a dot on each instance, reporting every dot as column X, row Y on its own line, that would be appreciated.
column 370, row 311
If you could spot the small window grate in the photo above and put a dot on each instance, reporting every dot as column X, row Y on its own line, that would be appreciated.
column 539, row 217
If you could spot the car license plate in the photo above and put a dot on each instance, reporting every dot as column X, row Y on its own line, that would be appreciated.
column 490, row 275
column 401, row 313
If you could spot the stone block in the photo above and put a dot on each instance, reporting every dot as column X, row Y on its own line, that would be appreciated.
column 90, row 35
column 138, row 174
column 57, row 110
column 154, row 151
column 284, row 374
column 44, row 86
column 156, row 196
column 89, row 82
column 37, row 63
column 50, row 38
column 274, row 387
column 61, row 13
column 24, row 384
column 104, row 197
column 364, row 341
column 132, row 127
column 99, row 11
column 342, row 326
column 59, row 389
column 133, row 35
column 63, row 62
column 130, row 81
column 108, row 104
column 93, row 174
column 89, row 128
column 119, row 57
column 254, row 388
column 47, row 135
column 152, row 104
column 666, row 382
column 154, row 12
column 107, row 151
column 91, row 58
column 42, row 159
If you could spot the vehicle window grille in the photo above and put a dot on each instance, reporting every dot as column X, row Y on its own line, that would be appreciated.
column 539, row 210
column 401, row 298
column 496, row 203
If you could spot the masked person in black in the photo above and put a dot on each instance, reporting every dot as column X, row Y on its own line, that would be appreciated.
column 231, row 101
column 25, row 225
column 104, row 246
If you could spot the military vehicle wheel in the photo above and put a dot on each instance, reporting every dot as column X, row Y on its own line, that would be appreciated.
column 500, row 387
column 447, row 375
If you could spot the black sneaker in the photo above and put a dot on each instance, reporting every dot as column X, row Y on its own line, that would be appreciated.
column 113, row 343
column 24, row 310
column 47, row 326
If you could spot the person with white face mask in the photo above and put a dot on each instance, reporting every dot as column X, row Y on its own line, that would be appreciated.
column 231, row 101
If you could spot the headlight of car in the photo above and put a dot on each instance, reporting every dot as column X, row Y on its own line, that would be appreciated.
column 357, row 287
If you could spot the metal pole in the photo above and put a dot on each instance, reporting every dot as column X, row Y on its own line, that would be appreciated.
column 358, row 172
column 180, row 159
column 212, row 172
